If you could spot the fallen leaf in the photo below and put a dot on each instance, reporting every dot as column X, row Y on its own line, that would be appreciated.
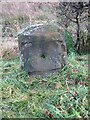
column 70, row 83
column 51, row 115
column 75, row 71
column 33, row 91
column 58, row 85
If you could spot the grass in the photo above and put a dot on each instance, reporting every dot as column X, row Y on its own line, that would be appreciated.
column 62, row 95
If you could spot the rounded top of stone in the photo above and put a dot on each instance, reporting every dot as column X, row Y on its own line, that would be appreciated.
column 29, row 28
column 32, row 29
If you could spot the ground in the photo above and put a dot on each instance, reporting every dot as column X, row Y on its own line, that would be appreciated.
column 64, row 94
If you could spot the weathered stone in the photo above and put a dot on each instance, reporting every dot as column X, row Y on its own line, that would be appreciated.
column 42, row 49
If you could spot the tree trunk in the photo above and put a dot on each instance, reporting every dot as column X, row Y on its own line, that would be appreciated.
column 77, row 45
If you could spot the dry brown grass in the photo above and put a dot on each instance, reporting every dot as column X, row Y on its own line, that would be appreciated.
column 9, row 49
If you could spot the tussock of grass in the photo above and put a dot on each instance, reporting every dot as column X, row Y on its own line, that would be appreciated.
column 62, row 95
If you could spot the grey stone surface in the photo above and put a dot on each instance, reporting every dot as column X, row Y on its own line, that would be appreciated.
column 42, row 49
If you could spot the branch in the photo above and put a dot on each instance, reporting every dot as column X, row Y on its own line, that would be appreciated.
column 67, row 16
column 71, row 19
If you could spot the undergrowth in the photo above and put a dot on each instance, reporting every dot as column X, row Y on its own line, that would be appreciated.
column 62, row 95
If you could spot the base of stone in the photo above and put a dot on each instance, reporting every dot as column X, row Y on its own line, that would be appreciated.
column 43, row 73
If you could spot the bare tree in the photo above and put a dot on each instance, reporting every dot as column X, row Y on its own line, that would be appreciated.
column 72, row 12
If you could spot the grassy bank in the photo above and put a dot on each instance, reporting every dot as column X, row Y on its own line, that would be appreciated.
column 62, row 95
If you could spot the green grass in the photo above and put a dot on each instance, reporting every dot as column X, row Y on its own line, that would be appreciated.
column 62, row 95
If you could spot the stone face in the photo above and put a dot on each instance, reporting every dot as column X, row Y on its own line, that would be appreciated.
column 42, row 49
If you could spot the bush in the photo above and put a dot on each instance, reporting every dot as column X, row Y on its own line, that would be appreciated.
column 69, row 42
